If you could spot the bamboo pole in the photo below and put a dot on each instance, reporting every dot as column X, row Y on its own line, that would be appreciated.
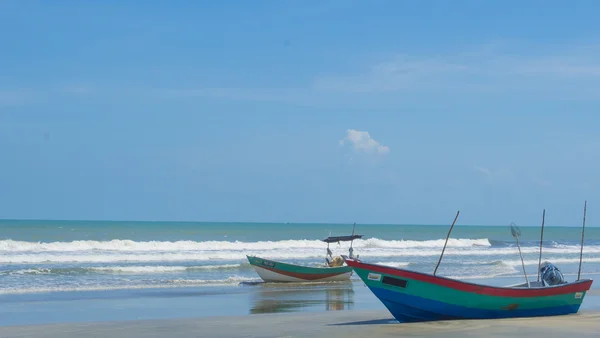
column 448, row 236
column 582, row 238
column 541, row 240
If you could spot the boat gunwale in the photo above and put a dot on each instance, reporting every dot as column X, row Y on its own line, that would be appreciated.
column 582, row 285
column 323, row 268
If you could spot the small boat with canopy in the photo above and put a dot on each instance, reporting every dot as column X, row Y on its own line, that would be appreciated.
column 334, row 268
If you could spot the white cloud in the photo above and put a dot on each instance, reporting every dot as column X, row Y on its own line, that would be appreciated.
column 485, row 171
column 539, row 181
column 508, row 69
column 77, row 89
column 500, row 176
column 398, row 74
column 569, row 71
column 362, row 141
column 14, row 97
column 277, row 95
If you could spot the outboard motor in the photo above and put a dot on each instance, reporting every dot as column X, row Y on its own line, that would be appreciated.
column 550, row 274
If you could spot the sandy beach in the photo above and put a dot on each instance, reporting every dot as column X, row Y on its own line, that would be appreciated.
column 273, row 311
column 375, row 323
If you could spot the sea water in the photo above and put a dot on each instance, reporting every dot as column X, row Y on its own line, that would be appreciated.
column 83, row 260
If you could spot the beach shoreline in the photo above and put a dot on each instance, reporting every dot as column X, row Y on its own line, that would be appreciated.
column 197, row 302
column 354, row 323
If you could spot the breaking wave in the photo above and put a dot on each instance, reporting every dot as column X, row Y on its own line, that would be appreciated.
column 160, row 269
column 230, row 256
column 233, row 281
column 157, row 246
column 150, row 269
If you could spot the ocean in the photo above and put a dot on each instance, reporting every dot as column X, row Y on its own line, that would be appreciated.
column 82, row 256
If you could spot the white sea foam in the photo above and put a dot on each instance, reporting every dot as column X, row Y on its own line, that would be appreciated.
column 98, row 256
column 557, row 260
column 233, row 281
column 117, row 251
column 518, row 274
column 228, row 280
column 154, row 251
column 394, row 264
column 496, row 268
column 157, row 246
column 150, row 269
column 160, row 269
column 138, row 269
column 35, row 271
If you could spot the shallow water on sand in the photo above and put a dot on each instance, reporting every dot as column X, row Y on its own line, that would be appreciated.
column 203, row 301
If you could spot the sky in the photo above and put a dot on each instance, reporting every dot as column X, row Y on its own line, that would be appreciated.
column 300, row 111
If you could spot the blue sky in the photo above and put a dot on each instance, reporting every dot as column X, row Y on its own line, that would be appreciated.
column 300, row 111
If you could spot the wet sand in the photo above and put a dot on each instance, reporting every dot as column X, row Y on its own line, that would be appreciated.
column 372, row 323
column 344, row 310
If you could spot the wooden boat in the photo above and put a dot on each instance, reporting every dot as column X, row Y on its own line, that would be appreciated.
column 273, row 271
column 414, row 296
column 332, row 270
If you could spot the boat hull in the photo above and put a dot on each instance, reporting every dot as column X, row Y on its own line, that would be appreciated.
column 273, row 271
column 412, row 297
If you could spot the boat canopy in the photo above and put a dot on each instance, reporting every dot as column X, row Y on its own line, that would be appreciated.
column 335, row 239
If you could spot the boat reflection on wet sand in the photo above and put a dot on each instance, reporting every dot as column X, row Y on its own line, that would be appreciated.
column 274, row 298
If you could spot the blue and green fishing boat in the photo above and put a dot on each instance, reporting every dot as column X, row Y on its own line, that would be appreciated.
column 333, row 269
column 414, row 296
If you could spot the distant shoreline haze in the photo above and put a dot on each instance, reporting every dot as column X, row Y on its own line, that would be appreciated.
column 31, row 220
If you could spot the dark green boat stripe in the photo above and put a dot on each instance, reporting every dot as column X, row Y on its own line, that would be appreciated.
column 265, row 263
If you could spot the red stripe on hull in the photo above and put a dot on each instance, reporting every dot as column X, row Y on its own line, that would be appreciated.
column 302, row 275
column 580, row 286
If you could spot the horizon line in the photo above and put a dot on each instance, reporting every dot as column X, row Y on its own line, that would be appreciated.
column 271, row 222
